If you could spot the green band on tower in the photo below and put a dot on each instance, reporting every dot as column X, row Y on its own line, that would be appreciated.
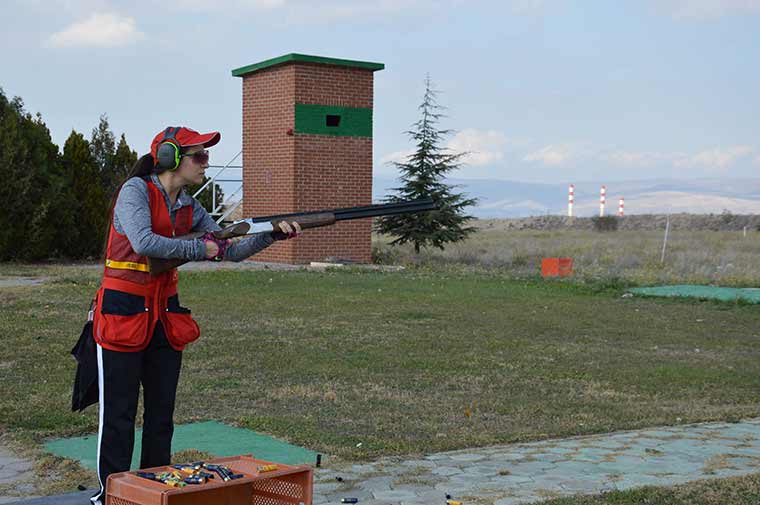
column 333, row 120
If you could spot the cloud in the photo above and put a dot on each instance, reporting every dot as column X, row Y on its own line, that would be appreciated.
column 397, row 156
column 553, row 155
column 703, row 9
column 483, row 147
column 756, row 162
column 716, row 159
column 98, row 30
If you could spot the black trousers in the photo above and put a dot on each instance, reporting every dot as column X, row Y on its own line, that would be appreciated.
column 120, row 374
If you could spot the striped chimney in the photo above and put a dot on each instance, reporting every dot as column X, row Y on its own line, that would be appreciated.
column 570, row 200
column 602, row 200
column 621, row 204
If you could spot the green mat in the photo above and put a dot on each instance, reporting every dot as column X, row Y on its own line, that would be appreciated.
column 216, row 438
column 751, row 295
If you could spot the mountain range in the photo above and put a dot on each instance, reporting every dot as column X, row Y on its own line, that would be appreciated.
column 503, row 199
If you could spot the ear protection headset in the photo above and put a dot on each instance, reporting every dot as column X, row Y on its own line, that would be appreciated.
column 167, row 154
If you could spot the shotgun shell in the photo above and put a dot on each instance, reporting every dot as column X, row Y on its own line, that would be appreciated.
column 453, row 502
column 267, row 468
column 349, row 500
column 223, row 473
column 147, row 475
column 195, row 479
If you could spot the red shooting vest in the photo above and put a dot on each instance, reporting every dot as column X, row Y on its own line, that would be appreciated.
column 130, row 301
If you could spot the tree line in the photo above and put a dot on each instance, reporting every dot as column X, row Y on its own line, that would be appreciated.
column 56, row 204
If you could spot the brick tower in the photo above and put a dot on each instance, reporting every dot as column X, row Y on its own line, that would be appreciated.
column 307, row 145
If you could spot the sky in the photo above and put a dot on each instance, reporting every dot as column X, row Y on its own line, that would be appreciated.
column 551, row 91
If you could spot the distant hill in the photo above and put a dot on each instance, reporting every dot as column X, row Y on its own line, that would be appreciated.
column 507, row 199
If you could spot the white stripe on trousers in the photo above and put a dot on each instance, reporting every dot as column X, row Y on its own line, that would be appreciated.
column 97, row 498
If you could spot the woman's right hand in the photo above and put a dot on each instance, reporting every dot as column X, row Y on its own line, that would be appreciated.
column 211, row 249
column 215, row 248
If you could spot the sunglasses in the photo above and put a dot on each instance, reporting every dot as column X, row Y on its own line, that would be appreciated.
column 200, row 157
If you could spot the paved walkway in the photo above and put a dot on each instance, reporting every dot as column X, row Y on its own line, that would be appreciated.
column 523, row 473
column 15, row 475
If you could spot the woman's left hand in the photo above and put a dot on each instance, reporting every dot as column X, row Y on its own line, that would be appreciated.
column 289, row 230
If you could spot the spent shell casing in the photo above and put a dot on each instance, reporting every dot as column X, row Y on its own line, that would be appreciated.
column 267, row 468
column 349, row 500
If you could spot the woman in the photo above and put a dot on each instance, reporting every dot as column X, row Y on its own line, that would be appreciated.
column 138, row 323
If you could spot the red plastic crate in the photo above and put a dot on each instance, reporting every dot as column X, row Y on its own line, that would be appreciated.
column 288, row 485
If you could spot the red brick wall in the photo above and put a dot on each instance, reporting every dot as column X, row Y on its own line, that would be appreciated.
column 283, row 173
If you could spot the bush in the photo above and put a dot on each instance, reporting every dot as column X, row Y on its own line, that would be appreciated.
column 605, row 223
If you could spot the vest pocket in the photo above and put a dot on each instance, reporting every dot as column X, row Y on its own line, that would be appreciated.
column 181, row 328
column 123, row 318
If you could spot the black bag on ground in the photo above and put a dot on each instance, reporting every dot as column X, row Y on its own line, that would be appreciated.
column 85, row 391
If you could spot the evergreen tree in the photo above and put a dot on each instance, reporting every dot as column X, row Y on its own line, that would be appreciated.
column 103, row 150
column 30, row 161
column 89, row 198
column 123, row 161
column 422, row 175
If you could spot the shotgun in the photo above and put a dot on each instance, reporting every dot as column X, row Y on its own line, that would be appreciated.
column 306, row 220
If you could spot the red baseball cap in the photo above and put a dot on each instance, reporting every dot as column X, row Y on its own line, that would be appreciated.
column 185, row 137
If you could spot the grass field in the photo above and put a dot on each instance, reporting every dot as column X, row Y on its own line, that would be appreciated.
column 408, row 362
column 623, row 257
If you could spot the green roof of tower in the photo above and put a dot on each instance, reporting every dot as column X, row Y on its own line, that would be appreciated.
column 305, row 58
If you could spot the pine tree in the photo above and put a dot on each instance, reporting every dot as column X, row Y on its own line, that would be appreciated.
column 422, row 175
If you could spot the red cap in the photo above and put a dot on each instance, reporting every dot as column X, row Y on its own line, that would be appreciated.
column 186, row 137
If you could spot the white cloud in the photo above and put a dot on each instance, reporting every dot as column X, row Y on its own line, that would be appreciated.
column 483, row 147
column 716, row 159
column 638, row 159
column 702, row 9
column 552, row 155
column 98, row 30
column 757, row 161
column 397, row 156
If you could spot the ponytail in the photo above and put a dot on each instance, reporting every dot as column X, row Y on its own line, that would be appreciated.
column 144, row 166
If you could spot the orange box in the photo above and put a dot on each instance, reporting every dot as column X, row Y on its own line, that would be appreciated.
column 556, row 267
column 288, row 485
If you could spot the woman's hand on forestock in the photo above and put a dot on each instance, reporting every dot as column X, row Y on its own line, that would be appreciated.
column 215, row 248
column 288, row 230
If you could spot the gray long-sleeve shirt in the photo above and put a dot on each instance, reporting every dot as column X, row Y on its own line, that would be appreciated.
column 132, row 217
